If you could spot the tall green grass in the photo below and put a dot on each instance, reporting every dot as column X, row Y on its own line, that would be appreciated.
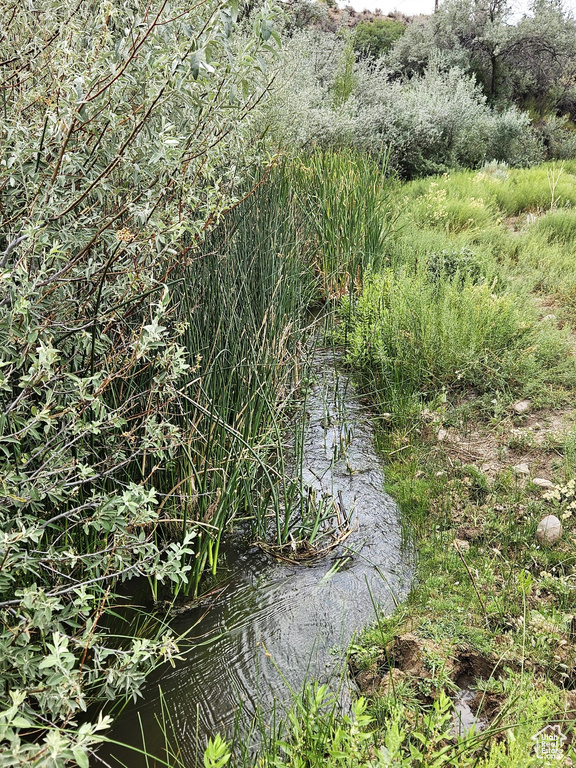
column 557, row 226
column 519, row 223
column 508, row 192
column 347, row 209
column 243, row 305
column 307, row 233
column 440, row 330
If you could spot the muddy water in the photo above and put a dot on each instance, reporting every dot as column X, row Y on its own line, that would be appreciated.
column 274, row 625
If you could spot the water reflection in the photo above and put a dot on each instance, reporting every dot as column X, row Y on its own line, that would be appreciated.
column 274, row 625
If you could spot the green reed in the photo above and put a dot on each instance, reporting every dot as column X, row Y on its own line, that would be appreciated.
column 347, row 207
column 244, row 303
column 308, row 231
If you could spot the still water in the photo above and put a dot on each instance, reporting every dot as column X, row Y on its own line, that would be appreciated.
column 274, row 624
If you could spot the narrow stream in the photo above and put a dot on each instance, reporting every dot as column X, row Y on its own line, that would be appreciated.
column 274, row 625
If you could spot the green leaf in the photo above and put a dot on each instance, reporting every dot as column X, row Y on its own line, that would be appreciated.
column 21, row 722
column 81, row 757
column 195, row 64
column 227, row 22
column 49, row 661
column 266, row 29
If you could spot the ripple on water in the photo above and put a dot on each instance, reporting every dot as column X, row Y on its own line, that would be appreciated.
column 275, row 625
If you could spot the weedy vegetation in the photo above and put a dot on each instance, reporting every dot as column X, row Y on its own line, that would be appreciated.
column 173, row 201
column 467, row 351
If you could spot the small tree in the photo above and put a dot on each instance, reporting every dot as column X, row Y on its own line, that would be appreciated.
column 531, row 62
column 542, row 63
column 373, row 38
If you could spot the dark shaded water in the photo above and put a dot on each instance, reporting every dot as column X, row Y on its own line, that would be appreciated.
column 275, row 624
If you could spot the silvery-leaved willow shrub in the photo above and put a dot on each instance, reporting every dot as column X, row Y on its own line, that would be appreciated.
column 428, row 123
column 118, row 122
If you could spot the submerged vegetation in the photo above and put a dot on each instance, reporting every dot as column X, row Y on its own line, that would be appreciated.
column 173, row 202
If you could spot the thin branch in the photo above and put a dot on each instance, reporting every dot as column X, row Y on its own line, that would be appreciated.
column 11, row 246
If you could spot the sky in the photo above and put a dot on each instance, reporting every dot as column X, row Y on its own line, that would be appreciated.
column 413, row 7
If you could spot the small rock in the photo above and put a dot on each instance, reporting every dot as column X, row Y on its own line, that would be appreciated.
column 541, row 482
column 440, row 473
column 521, row 469
column 387, row 416
column 522, row 406
column 442, row 435
column 549, row 530
column 549, row 318
column 461, row 544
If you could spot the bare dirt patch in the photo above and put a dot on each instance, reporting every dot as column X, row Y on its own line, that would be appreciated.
column 408, row 656
column 528, row 445
column 407, row 660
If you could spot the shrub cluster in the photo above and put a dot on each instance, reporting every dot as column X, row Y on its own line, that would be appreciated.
column 446, row 327
column 117, row 124
column 428, row 123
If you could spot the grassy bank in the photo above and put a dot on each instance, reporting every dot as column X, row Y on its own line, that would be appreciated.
column 466, row 345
